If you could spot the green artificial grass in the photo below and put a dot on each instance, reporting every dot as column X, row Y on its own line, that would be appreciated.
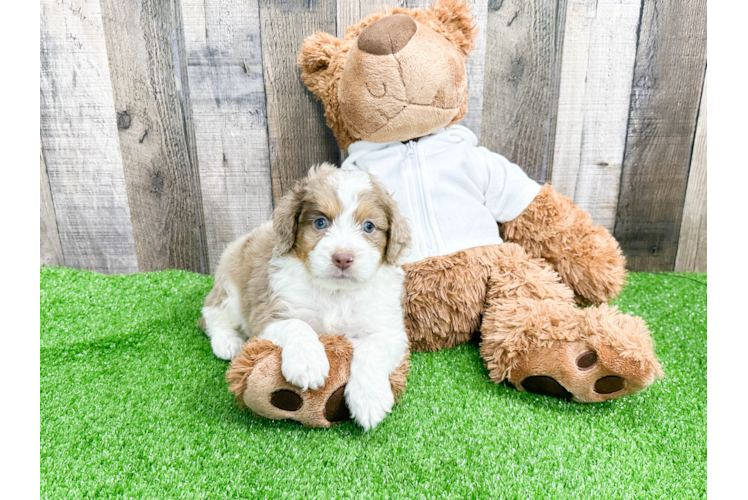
column 135, row 405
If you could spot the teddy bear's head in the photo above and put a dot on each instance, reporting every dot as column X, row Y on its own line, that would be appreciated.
column 397, row 75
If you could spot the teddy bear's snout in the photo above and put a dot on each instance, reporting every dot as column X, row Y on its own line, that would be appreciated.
column 401, row 80
column 387, row 35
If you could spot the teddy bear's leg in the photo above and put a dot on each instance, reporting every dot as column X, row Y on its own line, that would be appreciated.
column 256, row 380
column 444, row 297
column 534, row 337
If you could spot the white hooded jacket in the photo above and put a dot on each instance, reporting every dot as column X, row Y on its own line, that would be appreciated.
column 452, row 192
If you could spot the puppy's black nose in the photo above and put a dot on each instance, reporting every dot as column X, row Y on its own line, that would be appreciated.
column 387, row 35
column 342, row 259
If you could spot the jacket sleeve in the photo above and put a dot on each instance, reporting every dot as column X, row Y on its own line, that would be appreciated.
column 507, row 189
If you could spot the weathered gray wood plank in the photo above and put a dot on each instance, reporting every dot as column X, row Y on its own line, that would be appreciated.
column 668, row 77
column 521, row 81
column 50, row 250
column 80, row 142
column 227, row 98
column 475, row 67
column 692, row 243
column 350, row 12
column 298, row 135
column 593, row 107
column 162, row 182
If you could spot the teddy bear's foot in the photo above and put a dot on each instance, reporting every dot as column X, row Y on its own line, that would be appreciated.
column 255, row 378
column 598, row 355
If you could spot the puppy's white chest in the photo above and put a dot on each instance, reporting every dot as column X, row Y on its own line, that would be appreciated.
column 332, row 314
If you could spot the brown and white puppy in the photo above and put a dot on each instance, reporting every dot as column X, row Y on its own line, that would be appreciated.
column 328, row 263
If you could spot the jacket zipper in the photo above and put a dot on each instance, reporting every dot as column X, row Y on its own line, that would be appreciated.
column 416, row 167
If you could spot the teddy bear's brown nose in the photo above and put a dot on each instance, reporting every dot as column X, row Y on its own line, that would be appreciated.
column 387, row 35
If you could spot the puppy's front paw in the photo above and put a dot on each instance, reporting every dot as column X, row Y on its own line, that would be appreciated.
column 226, row 346
column 369, row 401
column 304, row 364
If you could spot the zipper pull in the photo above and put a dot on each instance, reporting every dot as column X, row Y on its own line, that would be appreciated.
column 411, row 148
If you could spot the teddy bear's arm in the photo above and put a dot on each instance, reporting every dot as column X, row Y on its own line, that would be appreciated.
column 587, row 257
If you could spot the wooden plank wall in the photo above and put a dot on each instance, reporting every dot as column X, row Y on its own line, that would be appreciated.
column 520, row 93
column 50, row 251
column 224, row 57
column 668, row 79
column 162, row 180
column 171, row 127
column 692, row 241
column 598, row 61
column 80, row 141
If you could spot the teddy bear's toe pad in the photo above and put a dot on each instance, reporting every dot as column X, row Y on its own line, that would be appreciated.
column 587, row 360
column 610, row 384
column 548, row 386
column 336, row 410
column 284, row 399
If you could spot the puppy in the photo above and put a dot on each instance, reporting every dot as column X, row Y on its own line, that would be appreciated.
column 326, row 264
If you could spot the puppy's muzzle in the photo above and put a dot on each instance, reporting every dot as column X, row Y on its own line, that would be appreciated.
column 342, row 260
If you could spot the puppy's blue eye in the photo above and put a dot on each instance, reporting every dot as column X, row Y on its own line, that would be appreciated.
column 320, row 223
column 369, row 226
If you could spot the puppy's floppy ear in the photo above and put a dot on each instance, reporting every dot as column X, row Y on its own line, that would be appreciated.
column 317, row 52
column 455, row 16
column 398, row 235
column 286, row 219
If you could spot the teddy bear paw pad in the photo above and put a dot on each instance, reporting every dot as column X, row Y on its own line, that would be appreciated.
column 609, row 384
column 286, row 400
column 547, row 386
column 335, row 409
column 587, row 360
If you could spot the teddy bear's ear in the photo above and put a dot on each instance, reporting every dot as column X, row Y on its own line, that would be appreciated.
column 316, row 55
column 455, row 16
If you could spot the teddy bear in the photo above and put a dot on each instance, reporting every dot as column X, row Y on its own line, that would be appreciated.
column 494, row 252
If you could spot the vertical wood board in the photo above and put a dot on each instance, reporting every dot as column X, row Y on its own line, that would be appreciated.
column 50, row 251
column 298, row 134
column 227, row 99
column 523, row 46
column 162, row 182
column 476, row 68
column 692, row 242
column 593, row 107
column 80, row 142
column 668, row 77
column 350, row 12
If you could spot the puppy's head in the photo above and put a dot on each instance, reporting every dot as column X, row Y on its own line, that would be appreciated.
column 343, row 225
